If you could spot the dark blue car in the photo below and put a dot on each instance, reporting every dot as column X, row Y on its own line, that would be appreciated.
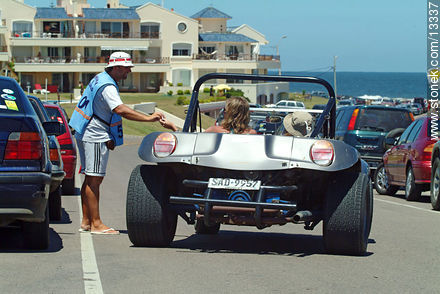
column 25, row 167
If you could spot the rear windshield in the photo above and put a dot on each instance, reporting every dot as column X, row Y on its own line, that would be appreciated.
column 382, row 120
column 55, row 115
column 10, row 98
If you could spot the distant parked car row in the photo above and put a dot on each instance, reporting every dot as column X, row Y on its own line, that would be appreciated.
column 31, row 164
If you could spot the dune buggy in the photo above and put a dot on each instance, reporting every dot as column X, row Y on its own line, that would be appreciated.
column 212, row 179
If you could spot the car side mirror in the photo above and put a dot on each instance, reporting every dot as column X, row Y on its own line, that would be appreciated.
column 52, row 128
column 391, row 141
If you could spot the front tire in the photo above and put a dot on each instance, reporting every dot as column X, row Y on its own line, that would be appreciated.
column 150, row 222
column 348, row 214
column 435, row 185
column 412, row 190
column 381, row 182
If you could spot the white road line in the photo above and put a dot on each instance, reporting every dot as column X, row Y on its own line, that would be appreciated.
column 406, row 205
column 92, row 281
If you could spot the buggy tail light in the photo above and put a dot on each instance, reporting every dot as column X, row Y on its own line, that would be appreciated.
column 164, row 145
column 23, row 146
column 353, row 119
column 322, row 152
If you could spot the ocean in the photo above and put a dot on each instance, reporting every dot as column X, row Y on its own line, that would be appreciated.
column 367, row 84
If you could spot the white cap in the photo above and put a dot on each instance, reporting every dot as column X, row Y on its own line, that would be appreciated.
column 120, row 59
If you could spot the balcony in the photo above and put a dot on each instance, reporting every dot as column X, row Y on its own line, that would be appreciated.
column 89, row 35
column 236, row 57
column 82, row 60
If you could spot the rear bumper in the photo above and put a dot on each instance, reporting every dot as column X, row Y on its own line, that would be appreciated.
column 23, row 196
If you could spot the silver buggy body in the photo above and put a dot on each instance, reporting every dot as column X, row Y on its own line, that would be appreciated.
column 212, row 179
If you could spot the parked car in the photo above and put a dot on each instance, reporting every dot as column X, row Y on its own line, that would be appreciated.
column 56, row 160
column 214, row 179
column 366, row 126
column 408, row 162
column 435, row 174
column 416, row 108
column 67, row 145
column 25, row 167
column 287, row 104
column 423, row 102
column 346, row 102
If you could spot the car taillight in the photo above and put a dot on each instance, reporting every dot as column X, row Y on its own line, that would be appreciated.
column 427, row 151
column 54, row 157
column 353, row 119
column 322, row 152
column 164, row 145
column 23, row 146
column 411, row 116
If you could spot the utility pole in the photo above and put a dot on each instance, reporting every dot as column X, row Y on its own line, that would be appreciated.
column 334, row 75
column 278, row 52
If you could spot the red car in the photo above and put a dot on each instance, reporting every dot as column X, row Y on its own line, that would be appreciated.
column 408, row 162
column 67, row 144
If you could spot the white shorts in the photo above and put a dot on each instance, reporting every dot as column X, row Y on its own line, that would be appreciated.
column 94, row 158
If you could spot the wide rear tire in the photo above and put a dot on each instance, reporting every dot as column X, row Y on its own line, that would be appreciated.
column 150, row 221
column 36, row 235
column 381, row 182
column 435, row 185
column 348, row 214
column 55, row 209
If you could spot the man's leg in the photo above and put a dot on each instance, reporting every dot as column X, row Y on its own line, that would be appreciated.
column 85, row 222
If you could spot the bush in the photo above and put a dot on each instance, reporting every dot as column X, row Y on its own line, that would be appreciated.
column 181, row 100
column 228, row 95
column 179, row 92
column 170, row 84
column 206, row 90
column 234, row 92
column 170, row 93
column 179, row 84
column 187, row 92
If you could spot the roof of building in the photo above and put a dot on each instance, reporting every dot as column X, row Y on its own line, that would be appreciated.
column 210, row 12
column 225, row 37
column 51, row 13
column 110, row 13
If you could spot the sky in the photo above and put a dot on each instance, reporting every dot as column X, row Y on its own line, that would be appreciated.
column 366, row 36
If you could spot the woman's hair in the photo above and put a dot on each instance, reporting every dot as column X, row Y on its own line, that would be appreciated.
column 236, row 115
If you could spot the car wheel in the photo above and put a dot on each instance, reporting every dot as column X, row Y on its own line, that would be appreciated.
column 348, row 214
column 150, row 222
column 55, row 204
column 412, row 191
column 203, row 229
column 381, row 182
column 36, row 235
column 435, row 185
column 69, row 186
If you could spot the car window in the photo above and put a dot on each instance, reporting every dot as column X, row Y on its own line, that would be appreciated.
column 405, row 133
column 339, row 114
column 55, row 115
column 381, row 119
column 345, row 119
column 11, row 98
column 281, row 104
column 414, row 132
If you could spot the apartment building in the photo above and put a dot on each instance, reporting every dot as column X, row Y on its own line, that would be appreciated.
column 70, row 43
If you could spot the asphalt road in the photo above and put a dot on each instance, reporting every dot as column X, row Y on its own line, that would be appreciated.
column 403, row 253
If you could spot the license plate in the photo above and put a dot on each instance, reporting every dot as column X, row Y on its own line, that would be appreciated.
column 233, row 184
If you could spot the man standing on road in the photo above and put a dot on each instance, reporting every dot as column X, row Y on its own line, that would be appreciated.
column 97, row 119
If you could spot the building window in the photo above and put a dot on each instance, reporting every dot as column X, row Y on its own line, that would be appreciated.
column 181, row 49
column 20, row 28
column 182, row 27
column 150, row 30
column 115, row 29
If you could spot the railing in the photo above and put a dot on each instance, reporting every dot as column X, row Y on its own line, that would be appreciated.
column 78, row 60
column 3, row 49
column 238, row 57
column 89, row 35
